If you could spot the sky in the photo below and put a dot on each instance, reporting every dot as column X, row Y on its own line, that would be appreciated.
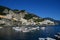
column 42, row 8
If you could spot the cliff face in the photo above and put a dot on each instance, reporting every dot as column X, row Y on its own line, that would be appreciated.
column 10, row 17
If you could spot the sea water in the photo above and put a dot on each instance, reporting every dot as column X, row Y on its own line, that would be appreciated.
column 43, row 32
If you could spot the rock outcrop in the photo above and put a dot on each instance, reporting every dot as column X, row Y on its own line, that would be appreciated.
column 10, row 17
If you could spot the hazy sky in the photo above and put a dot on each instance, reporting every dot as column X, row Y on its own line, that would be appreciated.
column 42, row 8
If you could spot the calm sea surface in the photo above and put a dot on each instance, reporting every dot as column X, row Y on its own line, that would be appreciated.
column 10, row 34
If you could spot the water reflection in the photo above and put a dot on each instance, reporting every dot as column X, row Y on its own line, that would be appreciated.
column 8, row 33
column 42, row 28
column 25, row 29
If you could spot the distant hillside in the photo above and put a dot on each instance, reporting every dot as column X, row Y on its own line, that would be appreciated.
column 56, row 21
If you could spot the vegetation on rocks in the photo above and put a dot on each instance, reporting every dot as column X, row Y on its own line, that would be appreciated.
column 29, row 16
column 2, row 8
column 22, row 16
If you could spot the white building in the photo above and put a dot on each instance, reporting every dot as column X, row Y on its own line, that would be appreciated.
column 31, row 21
column 2, row 22
column 23, row 21
column 11, row 13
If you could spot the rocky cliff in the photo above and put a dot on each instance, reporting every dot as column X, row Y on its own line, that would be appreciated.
column 9, row 17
